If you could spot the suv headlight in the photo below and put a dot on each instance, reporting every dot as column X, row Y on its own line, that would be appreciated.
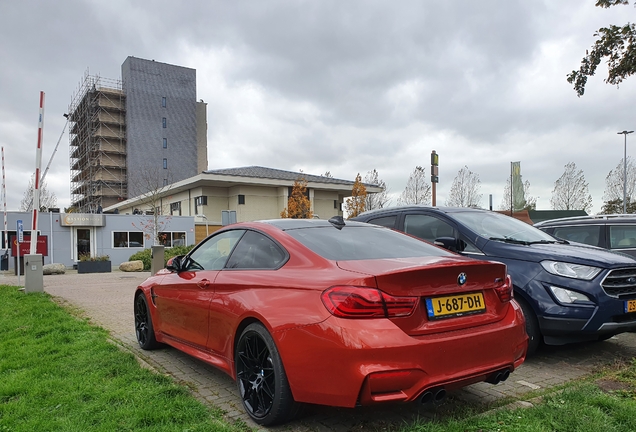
column 574, row 271
column 568, row 296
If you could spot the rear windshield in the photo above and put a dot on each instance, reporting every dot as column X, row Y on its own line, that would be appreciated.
column 363, row 242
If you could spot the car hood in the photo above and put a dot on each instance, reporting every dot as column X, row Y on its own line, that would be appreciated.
column 573, row 253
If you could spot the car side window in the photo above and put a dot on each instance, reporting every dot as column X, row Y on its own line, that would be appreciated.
column 622, row 236
column 427, row 227
column 256, row 251
column 214, row 253
column 386, row 221
column 430, row 228
column 587, row 234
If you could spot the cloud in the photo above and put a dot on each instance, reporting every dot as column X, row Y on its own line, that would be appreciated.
column 344, row 87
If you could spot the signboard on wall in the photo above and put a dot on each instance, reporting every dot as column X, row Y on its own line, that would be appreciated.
column 82, row 219
column 42, row 246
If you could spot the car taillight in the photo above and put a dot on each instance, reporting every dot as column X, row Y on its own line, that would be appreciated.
column 362, row 302
column 505, row 291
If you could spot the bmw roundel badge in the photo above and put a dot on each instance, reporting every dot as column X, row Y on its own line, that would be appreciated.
column 461, row 279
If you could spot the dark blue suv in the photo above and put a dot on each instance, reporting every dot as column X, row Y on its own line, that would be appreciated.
column 568, row 293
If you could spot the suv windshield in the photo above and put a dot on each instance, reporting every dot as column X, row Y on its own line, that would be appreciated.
column 495, row 226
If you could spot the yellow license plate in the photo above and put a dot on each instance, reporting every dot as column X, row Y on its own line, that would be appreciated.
column 457, row 305
column 630, row 306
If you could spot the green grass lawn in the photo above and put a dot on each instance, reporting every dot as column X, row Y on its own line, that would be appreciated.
column 59, row 373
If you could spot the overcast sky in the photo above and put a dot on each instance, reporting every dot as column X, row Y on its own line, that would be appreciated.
column 339, row 86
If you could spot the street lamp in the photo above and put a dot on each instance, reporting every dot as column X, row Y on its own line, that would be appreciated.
column 625, row 171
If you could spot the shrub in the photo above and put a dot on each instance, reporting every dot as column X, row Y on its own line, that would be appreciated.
column 146, row 255
column 87, row 257
column 176, row 250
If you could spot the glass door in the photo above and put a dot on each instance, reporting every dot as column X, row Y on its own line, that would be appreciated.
column 83, row 242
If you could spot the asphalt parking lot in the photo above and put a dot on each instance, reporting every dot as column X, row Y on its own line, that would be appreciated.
column 107, row 299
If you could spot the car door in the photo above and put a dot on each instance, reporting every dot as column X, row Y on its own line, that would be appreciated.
column 430, row 227
column 183, row 298
column 243, row 286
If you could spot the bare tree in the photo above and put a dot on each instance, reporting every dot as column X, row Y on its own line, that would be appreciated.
column 526, row 203
column 47, row 198
column 154, row 183
column 376, row 200
column 615, row 180
column 465, row 189
column 571, row 191
column 417, row 190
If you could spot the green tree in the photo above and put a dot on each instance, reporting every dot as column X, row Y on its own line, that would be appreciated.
column 356, row 204
column 617, row 44
column 298, row 204
column 571, row 191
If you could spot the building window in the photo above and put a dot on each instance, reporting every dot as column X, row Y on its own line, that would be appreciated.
column 175, row 208
column 165, row 143
column 172, row 238
column 165, row 163
column 198, row 202
column 163, row 102
column 335, row 204
column 164, row 122
column 241, row 199
column 165, row 182
column 128, row 239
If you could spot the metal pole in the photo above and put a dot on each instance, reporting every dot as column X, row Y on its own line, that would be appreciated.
column 625, row 171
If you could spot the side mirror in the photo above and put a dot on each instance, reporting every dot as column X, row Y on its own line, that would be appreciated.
column 450, row 243
column 175, row 263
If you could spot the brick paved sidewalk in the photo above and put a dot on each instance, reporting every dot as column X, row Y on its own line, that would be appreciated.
column 107, row 299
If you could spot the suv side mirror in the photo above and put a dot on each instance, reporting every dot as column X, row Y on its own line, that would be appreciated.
column 450, row 243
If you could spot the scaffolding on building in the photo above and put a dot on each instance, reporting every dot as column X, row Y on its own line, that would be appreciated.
column 97, row 147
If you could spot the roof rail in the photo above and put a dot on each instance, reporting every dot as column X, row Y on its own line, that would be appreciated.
column 589, row 217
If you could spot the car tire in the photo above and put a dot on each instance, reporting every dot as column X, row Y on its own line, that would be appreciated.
column 144, row 330
column 532, row 327
column 261, row 378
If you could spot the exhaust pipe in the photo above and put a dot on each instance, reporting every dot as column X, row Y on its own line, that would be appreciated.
column 498, row 376
column 440, row 395
column 427, row 397
column 433, row 395
column 504, row 375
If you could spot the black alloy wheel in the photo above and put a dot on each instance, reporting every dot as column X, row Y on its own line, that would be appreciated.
column 143, row 324
column 261, row 378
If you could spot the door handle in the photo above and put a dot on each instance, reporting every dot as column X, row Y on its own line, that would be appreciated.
column 203, row 284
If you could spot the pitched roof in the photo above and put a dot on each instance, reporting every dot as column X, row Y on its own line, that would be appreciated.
column 276, row 174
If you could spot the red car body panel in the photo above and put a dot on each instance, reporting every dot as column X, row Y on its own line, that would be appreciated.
column 339, row 361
